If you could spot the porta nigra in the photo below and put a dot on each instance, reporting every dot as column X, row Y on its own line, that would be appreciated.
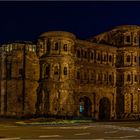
column 59, row 74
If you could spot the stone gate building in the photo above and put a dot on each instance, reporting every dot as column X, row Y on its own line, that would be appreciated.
column 60, row 74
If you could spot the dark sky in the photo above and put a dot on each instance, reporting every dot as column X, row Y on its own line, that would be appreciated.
column 27, row 20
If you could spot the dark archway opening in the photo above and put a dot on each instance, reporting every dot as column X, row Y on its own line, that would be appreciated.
column 104, row 109
column 85, row 106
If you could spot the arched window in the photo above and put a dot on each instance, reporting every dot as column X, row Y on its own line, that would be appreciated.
column 65, row 47
column 56, row 70
column 128, row 58
column 78, row 75
column 65, row 71
column 98, row 57
column 56, row 46
column 136, row 78
column 110, row 78
column 110, row 58
column 78, row 54
column 128, row 77
column 47, row 71
column 128, row 39
column 91, row 56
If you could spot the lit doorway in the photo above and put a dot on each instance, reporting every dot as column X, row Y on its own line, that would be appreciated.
column 85, row 106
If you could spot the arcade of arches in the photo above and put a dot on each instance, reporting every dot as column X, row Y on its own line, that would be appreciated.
column 100, row 109
column 58, row 74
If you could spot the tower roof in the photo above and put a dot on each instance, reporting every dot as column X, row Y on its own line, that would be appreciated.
column 57, row 33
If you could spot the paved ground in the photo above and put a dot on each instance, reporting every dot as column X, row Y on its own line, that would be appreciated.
column 95, row 130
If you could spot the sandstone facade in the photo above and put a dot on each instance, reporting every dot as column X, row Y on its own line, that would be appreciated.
column 62, row 75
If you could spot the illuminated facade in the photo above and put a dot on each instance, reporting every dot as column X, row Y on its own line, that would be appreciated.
column 62, row 75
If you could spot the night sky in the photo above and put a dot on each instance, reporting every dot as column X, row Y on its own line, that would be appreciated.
column 27, row 20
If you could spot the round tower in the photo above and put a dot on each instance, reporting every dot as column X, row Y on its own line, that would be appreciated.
column 55, row 93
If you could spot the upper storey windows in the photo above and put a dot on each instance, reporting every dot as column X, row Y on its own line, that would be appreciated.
column 85, row 54
column 65, row 71
column 110, row 58
column 78, row 53
column 55, row 46
column 120, row 36
column 56, row 43
column 127, row 58
column 65, row 47
column 91, row 55
column 128, row 39
column 95, row 56
column 56, row 70
column 98, row 57
column 104, row 57
column 31, row 48
column 131, row 59
column 135, row 39
column 131, row 39
column 18, row 46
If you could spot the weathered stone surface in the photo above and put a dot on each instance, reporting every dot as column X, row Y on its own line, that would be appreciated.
column 62, row 75
column 18, row 91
